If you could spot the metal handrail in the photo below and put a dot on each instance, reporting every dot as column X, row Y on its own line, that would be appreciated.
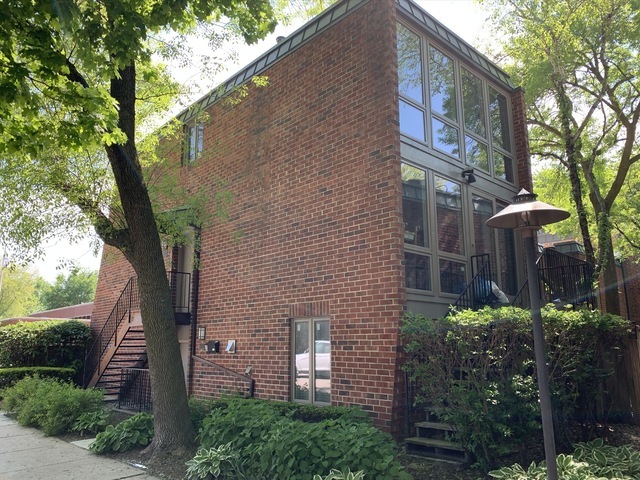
column 478, row 291
column 122, row 307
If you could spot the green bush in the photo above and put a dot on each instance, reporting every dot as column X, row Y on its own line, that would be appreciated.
column 338, row 475
column 476, row 371
column 277, row 446
column 49, row 404
column 48, row 343
column 135, row 431
column 9, row 376
column 590, row 461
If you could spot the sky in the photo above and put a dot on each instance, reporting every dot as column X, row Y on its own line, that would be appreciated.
column 464, row 17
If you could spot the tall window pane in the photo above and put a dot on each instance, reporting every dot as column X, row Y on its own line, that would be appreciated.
column 322, row 379
column 507, row 250
column 449, row 216
column 442, row 86
column 301, row 349
column 503, row 167
column 484, row 236
column 412, row 121
column 409, row 64
column 498, row 111
column 452, row 276
column 445, row 138
column 476, row 153
column 473, row 103
column 418, row 271
column 414, row 194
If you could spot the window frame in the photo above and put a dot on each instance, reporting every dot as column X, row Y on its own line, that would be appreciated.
column 494, row 152
column 311, row 358
column 191, row 153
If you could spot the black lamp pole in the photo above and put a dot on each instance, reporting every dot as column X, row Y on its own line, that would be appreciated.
column 528, row 215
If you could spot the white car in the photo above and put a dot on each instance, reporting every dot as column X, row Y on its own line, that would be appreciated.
column 322, row 360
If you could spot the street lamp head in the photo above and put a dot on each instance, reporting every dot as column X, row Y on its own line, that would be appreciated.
column 527, row 213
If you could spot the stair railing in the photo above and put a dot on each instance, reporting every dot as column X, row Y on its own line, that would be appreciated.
column 478, row 291
column 562, row 278
column 128, row 299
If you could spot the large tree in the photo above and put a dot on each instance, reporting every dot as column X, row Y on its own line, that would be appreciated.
column 579, row 63
column 18, row 295
column 70, row 91
column 78, row 286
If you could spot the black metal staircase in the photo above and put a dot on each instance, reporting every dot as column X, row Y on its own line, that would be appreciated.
column 120, row 344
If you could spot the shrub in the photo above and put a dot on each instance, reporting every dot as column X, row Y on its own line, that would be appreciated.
column 476, row 371
column 9, row 376
column 277, row 446
column 338, row 475
column 48, row 343
column 135, row 431
column 49, row 404
column 92, row 422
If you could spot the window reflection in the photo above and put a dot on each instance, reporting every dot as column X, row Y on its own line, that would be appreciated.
column 414, row 193
column 445, row 138
column 449, row 216
column 452, row 276
column 476, row 153
column 409, row 64
column 418, row 271
column 473, row 103
column 412, row 120
column 499, row 119
column 442, row 84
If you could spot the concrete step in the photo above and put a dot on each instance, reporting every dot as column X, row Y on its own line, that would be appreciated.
column 436, row 449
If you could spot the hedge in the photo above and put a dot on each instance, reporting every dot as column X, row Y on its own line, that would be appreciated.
column 9, row 376
column 50, row 343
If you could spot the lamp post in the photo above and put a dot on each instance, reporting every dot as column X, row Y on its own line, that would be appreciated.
column 528, row 215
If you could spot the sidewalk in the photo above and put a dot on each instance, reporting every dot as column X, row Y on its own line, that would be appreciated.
column 26, row 454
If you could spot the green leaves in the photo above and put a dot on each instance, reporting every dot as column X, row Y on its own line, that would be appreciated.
column 138, row 430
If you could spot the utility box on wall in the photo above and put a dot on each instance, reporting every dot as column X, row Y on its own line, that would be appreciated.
column 212, row 347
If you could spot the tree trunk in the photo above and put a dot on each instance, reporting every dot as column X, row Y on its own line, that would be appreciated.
column 609, row 272
column 172, row 421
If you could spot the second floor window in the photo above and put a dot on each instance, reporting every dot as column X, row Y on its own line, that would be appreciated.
column 193, row 142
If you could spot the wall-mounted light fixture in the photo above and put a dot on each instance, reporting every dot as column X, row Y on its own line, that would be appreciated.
column 468, row 175
column 212, row 346
column 248, row 370
column 202, row 333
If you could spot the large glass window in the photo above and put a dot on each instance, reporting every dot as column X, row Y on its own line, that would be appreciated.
column 508, row 272
column 312, row 361
column 418, row 271
column 452, row 110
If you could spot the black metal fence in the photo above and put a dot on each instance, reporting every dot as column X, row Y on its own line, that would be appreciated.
column 478, row 292
column 135, row 390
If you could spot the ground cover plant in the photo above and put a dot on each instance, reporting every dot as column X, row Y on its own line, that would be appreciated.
column 476, row 371
column 49, row 404
column 133, row 432
column 270, row 442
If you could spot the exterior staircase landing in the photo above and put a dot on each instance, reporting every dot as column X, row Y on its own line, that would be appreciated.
column 432, row 441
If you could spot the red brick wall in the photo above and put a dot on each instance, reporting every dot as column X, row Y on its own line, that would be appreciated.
column 115, row 272
column 313, row 163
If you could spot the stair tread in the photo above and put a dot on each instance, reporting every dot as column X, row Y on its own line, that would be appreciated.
column 433, row 442
column 435, row 426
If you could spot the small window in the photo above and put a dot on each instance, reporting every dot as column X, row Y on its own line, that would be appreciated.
column 311, row 361
column 193, row 142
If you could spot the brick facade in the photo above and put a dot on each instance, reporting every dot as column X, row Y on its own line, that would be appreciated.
column 316, row 227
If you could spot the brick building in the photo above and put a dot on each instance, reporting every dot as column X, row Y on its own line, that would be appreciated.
column 362, row 177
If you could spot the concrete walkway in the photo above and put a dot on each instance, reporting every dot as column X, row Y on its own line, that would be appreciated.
column 26, row 454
